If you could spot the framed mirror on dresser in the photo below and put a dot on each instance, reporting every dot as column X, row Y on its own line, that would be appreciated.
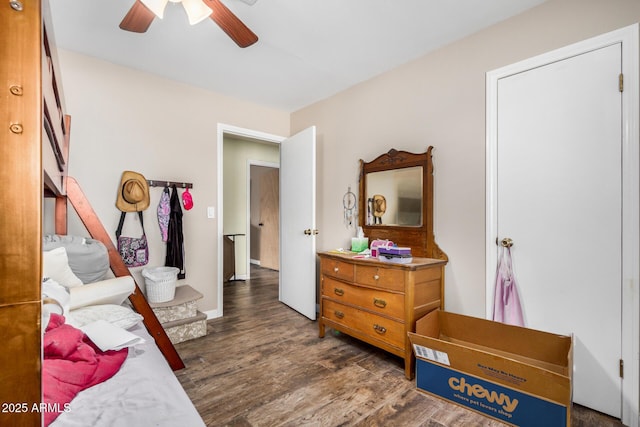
column 404, row 182
column 379, row 301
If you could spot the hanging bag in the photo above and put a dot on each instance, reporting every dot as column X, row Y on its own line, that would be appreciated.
column 506, row 303
column 133, row 250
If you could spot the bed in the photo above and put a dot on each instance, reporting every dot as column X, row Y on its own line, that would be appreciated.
column 144, row 392
column 35, row 152
column 82, row 383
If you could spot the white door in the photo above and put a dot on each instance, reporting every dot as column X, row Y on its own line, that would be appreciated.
column 559, row 198
column 298, row 222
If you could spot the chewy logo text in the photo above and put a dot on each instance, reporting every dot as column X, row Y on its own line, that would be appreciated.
column 480, row 392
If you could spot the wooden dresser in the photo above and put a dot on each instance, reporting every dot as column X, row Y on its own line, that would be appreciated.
column 379, row 302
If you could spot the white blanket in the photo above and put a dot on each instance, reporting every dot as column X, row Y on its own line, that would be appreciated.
column 145, row 392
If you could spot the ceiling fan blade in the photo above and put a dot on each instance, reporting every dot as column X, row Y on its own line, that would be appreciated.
column 231, row 24
column 138, row 19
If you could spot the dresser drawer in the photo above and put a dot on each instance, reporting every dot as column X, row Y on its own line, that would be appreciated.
column 387, row 278
column 338, row 269
column 379, row 301
column 390, row 331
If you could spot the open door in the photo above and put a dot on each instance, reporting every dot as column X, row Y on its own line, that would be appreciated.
column 298, row 222
column 269, row 243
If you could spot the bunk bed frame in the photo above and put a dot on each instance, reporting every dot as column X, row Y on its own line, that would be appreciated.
column 34, row 148
column 97, row 231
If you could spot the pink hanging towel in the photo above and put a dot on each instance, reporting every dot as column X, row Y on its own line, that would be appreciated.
column 506, row 302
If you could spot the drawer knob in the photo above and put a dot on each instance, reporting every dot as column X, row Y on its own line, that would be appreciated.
column 339, row 314
column 16, row 5
column 16, row 90
column 376, row 277
column 16, row 128
column 379, row 302
column 338, row 291
column 335, row 269
column 379, row 329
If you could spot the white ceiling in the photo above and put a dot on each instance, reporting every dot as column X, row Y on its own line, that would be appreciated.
column 307, row 49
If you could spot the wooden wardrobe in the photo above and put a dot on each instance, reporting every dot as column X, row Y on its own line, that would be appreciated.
column 34, row 139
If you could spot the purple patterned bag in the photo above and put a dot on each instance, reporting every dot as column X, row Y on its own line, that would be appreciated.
column 133, row 250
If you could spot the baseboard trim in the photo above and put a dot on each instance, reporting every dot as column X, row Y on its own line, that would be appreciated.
column 212, row 314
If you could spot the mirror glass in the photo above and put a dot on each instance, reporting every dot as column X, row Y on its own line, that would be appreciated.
column 394, row 197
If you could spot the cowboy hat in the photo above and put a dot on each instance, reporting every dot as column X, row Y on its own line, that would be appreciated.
column 379, row 205
column 133, row 193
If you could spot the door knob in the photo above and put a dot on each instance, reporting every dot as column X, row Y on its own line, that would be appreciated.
column 309, row 232
column 507, row 242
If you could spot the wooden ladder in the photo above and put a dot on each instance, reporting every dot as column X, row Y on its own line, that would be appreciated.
column 97, row 231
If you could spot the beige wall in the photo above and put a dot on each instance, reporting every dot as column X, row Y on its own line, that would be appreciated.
column 237, row 153
column 123, row 119
column 439, row 100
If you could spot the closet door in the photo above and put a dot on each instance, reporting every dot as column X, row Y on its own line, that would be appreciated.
column 559, row 197
column 270, row 219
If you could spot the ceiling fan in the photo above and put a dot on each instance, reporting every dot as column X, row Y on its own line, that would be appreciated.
column 142, row 13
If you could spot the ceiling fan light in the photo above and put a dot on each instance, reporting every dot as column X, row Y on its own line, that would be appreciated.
column 156, row 6
column 196, row 10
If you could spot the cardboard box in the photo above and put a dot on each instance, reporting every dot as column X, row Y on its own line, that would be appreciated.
column 517, row 375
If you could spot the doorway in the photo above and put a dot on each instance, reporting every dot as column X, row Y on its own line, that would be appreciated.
column 234, row 223
column 562, row 175
column 297, row 215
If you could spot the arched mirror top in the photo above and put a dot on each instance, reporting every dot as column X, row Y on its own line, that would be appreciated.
column 396, row 201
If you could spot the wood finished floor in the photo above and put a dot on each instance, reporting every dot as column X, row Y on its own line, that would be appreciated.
column 262, row 364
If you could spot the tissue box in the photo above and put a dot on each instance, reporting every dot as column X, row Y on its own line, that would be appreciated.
column 359, row 244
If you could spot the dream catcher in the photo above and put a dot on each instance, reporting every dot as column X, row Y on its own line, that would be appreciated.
column 350, row 208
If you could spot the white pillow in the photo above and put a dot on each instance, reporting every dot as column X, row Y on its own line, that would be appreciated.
column 55, row 265
column 118, row 315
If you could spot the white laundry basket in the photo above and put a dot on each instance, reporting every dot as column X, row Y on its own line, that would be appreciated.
column 160, row 283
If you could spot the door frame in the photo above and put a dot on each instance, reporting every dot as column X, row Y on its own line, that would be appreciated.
column 628, row 37
column 249, row 164
column 222, row 130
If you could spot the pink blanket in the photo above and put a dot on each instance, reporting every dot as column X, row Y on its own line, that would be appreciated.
column 71, row 364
